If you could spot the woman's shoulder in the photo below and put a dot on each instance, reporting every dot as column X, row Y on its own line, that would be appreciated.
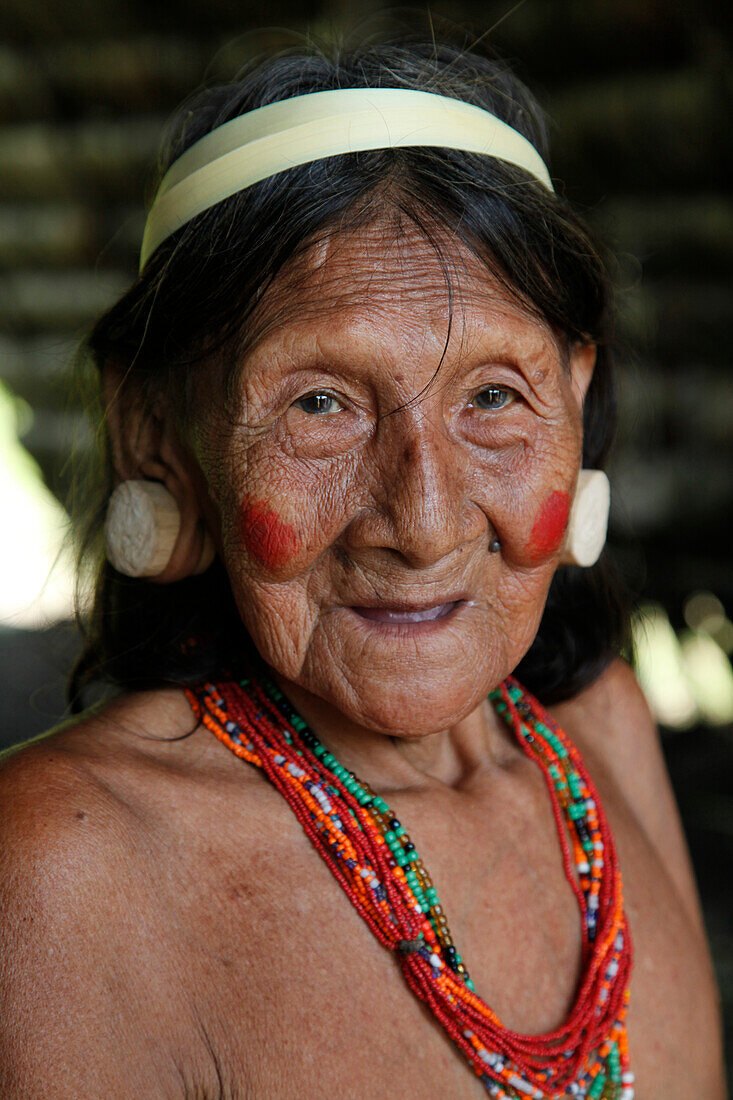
column 107, row 794
column 92, row 757
column 84, row 804
column 69, row 801
column 611, row 724
column 613, row 727
column 610, row 719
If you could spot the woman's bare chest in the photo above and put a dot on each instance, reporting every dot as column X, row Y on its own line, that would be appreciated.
column 295, row 994
column 299, row 995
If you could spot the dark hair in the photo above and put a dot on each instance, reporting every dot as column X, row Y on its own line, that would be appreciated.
column 193, row 303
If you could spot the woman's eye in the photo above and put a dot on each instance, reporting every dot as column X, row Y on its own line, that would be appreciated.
column 494, row 397
column 318, row 403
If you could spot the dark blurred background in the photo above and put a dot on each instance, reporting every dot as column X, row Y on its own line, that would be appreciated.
column 638, row 94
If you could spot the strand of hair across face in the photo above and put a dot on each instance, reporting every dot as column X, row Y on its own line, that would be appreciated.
column 377, row 865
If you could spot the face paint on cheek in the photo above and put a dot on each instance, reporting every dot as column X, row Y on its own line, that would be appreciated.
column 549, row 527
column 268, row 539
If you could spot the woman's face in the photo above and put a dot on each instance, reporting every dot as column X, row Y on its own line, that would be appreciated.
column 372, row 459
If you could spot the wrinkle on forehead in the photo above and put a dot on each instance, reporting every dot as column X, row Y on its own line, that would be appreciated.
column 388, row 265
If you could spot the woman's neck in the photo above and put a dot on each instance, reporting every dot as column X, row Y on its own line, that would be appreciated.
column 449, row 757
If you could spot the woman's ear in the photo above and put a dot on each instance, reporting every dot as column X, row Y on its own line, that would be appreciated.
column 582, row 363
column 145, row 444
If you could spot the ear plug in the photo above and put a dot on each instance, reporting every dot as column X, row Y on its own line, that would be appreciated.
column 142, row 527
column 585, row 536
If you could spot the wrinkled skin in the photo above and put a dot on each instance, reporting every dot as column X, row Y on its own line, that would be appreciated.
column 393, row 494
column 172, row 933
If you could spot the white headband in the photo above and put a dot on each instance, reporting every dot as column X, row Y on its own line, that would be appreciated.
column 296, row 131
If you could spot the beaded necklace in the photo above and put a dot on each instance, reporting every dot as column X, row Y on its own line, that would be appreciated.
column 377, row 865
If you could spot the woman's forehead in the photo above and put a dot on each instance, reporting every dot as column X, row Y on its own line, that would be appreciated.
column 390, row 274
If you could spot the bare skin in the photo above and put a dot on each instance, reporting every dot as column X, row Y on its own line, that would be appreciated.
column 171, row 932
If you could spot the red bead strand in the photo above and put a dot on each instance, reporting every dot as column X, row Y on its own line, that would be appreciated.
column 353, row 831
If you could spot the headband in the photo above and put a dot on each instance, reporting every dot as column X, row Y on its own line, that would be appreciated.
column 305, row 128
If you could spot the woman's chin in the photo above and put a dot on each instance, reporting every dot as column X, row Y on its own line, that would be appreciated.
column 398, row 716
column 404, row 682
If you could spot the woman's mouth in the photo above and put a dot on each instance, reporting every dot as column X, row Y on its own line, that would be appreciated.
column 406, row 616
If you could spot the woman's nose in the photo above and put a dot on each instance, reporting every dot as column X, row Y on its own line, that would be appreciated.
column 421, row 503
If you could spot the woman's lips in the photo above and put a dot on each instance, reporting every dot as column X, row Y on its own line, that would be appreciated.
column 406, row 616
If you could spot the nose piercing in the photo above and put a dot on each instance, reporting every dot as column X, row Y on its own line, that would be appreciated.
column 494, row 546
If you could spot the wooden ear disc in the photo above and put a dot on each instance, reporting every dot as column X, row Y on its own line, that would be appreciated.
column 142, row 527
column 588, row 523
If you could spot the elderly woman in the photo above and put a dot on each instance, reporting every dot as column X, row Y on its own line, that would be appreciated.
column 326, row 840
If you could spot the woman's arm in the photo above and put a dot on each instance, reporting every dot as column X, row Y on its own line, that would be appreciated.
column 77, row 987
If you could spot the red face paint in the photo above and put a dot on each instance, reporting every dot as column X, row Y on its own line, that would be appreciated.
column 549, row 527
column 265, row 535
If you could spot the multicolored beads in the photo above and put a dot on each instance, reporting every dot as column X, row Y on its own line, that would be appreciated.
column 379, row 868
